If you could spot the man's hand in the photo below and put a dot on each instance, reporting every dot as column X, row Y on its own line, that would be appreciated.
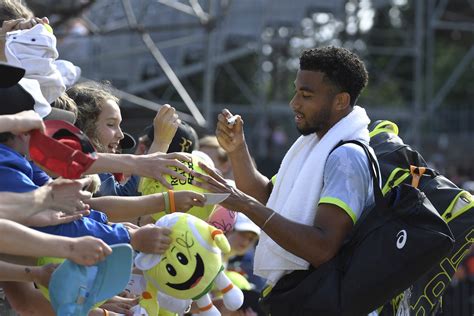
column 87, row 250
column 67, row 195
column 230, row 136
column 150, row 239
column 26, row 121
column 213, row 182
column 53, row 218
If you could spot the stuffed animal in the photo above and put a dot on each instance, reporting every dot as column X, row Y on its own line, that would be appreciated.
column 191, row 266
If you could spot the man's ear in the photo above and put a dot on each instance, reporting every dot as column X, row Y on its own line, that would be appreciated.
column 342, row 101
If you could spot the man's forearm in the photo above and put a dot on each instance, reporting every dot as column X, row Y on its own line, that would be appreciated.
column 123, row 208
column 316, row 243
column 291, row 236
column 113, row 163
column 247, row 178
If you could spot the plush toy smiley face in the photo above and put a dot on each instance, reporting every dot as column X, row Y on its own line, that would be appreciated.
column 193, row 260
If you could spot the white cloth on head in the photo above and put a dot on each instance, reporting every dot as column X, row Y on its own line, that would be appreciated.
column 32, row 86
column 70, row 73
column 297, row 190
column 35, row 51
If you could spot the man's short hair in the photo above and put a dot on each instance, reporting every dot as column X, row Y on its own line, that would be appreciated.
column 342, row 68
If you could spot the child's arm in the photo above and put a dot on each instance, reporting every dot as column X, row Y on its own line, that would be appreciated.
column 23, row 241
column 165, row 125
column 124, row 208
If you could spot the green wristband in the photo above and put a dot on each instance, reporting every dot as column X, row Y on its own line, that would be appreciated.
column 166, row 197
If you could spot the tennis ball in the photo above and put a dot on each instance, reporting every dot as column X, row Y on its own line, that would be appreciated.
column 151, row 186
column 48, row 28
column 223, row 219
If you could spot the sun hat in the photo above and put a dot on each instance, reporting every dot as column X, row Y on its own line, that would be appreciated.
column 244, row 224
column 74, row 289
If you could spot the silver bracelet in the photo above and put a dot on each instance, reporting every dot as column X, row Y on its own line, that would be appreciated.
column 268, row 219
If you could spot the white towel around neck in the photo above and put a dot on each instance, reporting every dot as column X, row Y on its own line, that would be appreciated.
column 297, row 190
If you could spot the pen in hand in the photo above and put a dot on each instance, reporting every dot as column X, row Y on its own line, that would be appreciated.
column 231, row 120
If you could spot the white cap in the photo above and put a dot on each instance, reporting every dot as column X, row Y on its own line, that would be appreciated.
column 204, row 157
column 244, row 224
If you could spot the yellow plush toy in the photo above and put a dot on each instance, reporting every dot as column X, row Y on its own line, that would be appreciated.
column 191, row 266
column 151, row 186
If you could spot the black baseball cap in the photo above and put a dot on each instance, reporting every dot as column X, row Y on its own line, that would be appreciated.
column 185, row 139
column 127, row 142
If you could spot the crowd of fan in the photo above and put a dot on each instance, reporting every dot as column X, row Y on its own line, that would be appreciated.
column 43, row 215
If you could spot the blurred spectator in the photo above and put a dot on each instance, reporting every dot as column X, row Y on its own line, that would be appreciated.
column 242, row 240
column 210, row 146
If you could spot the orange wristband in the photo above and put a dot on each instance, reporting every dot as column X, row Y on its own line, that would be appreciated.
column 106, row 312
column 172, row 204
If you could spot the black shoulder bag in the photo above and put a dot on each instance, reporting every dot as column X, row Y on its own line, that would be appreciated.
column 389, row 248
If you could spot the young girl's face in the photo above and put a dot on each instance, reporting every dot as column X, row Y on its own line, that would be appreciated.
column 108, row 130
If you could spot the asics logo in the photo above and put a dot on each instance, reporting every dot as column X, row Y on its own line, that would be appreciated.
column 401, row 238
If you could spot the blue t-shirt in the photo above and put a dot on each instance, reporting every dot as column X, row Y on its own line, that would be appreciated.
column 109, row 186
column 19, row 175
column 347, row 181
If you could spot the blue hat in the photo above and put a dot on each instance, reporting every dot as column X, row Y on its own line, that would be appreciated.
column 74, row 289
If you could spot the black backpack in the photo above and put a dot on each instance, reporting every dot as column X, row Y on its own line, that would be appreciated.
column 399, row 163
column 389, row 248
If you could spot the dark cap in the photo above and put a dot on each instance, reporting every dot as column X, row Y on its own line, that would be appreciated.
column 185, row 139
column 10, row 75
column 127, row 142
column 14, row 98
column 63, row 149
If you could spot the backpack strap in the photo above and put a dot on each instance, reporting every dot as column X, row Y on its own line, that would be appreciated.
column 416, row 173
